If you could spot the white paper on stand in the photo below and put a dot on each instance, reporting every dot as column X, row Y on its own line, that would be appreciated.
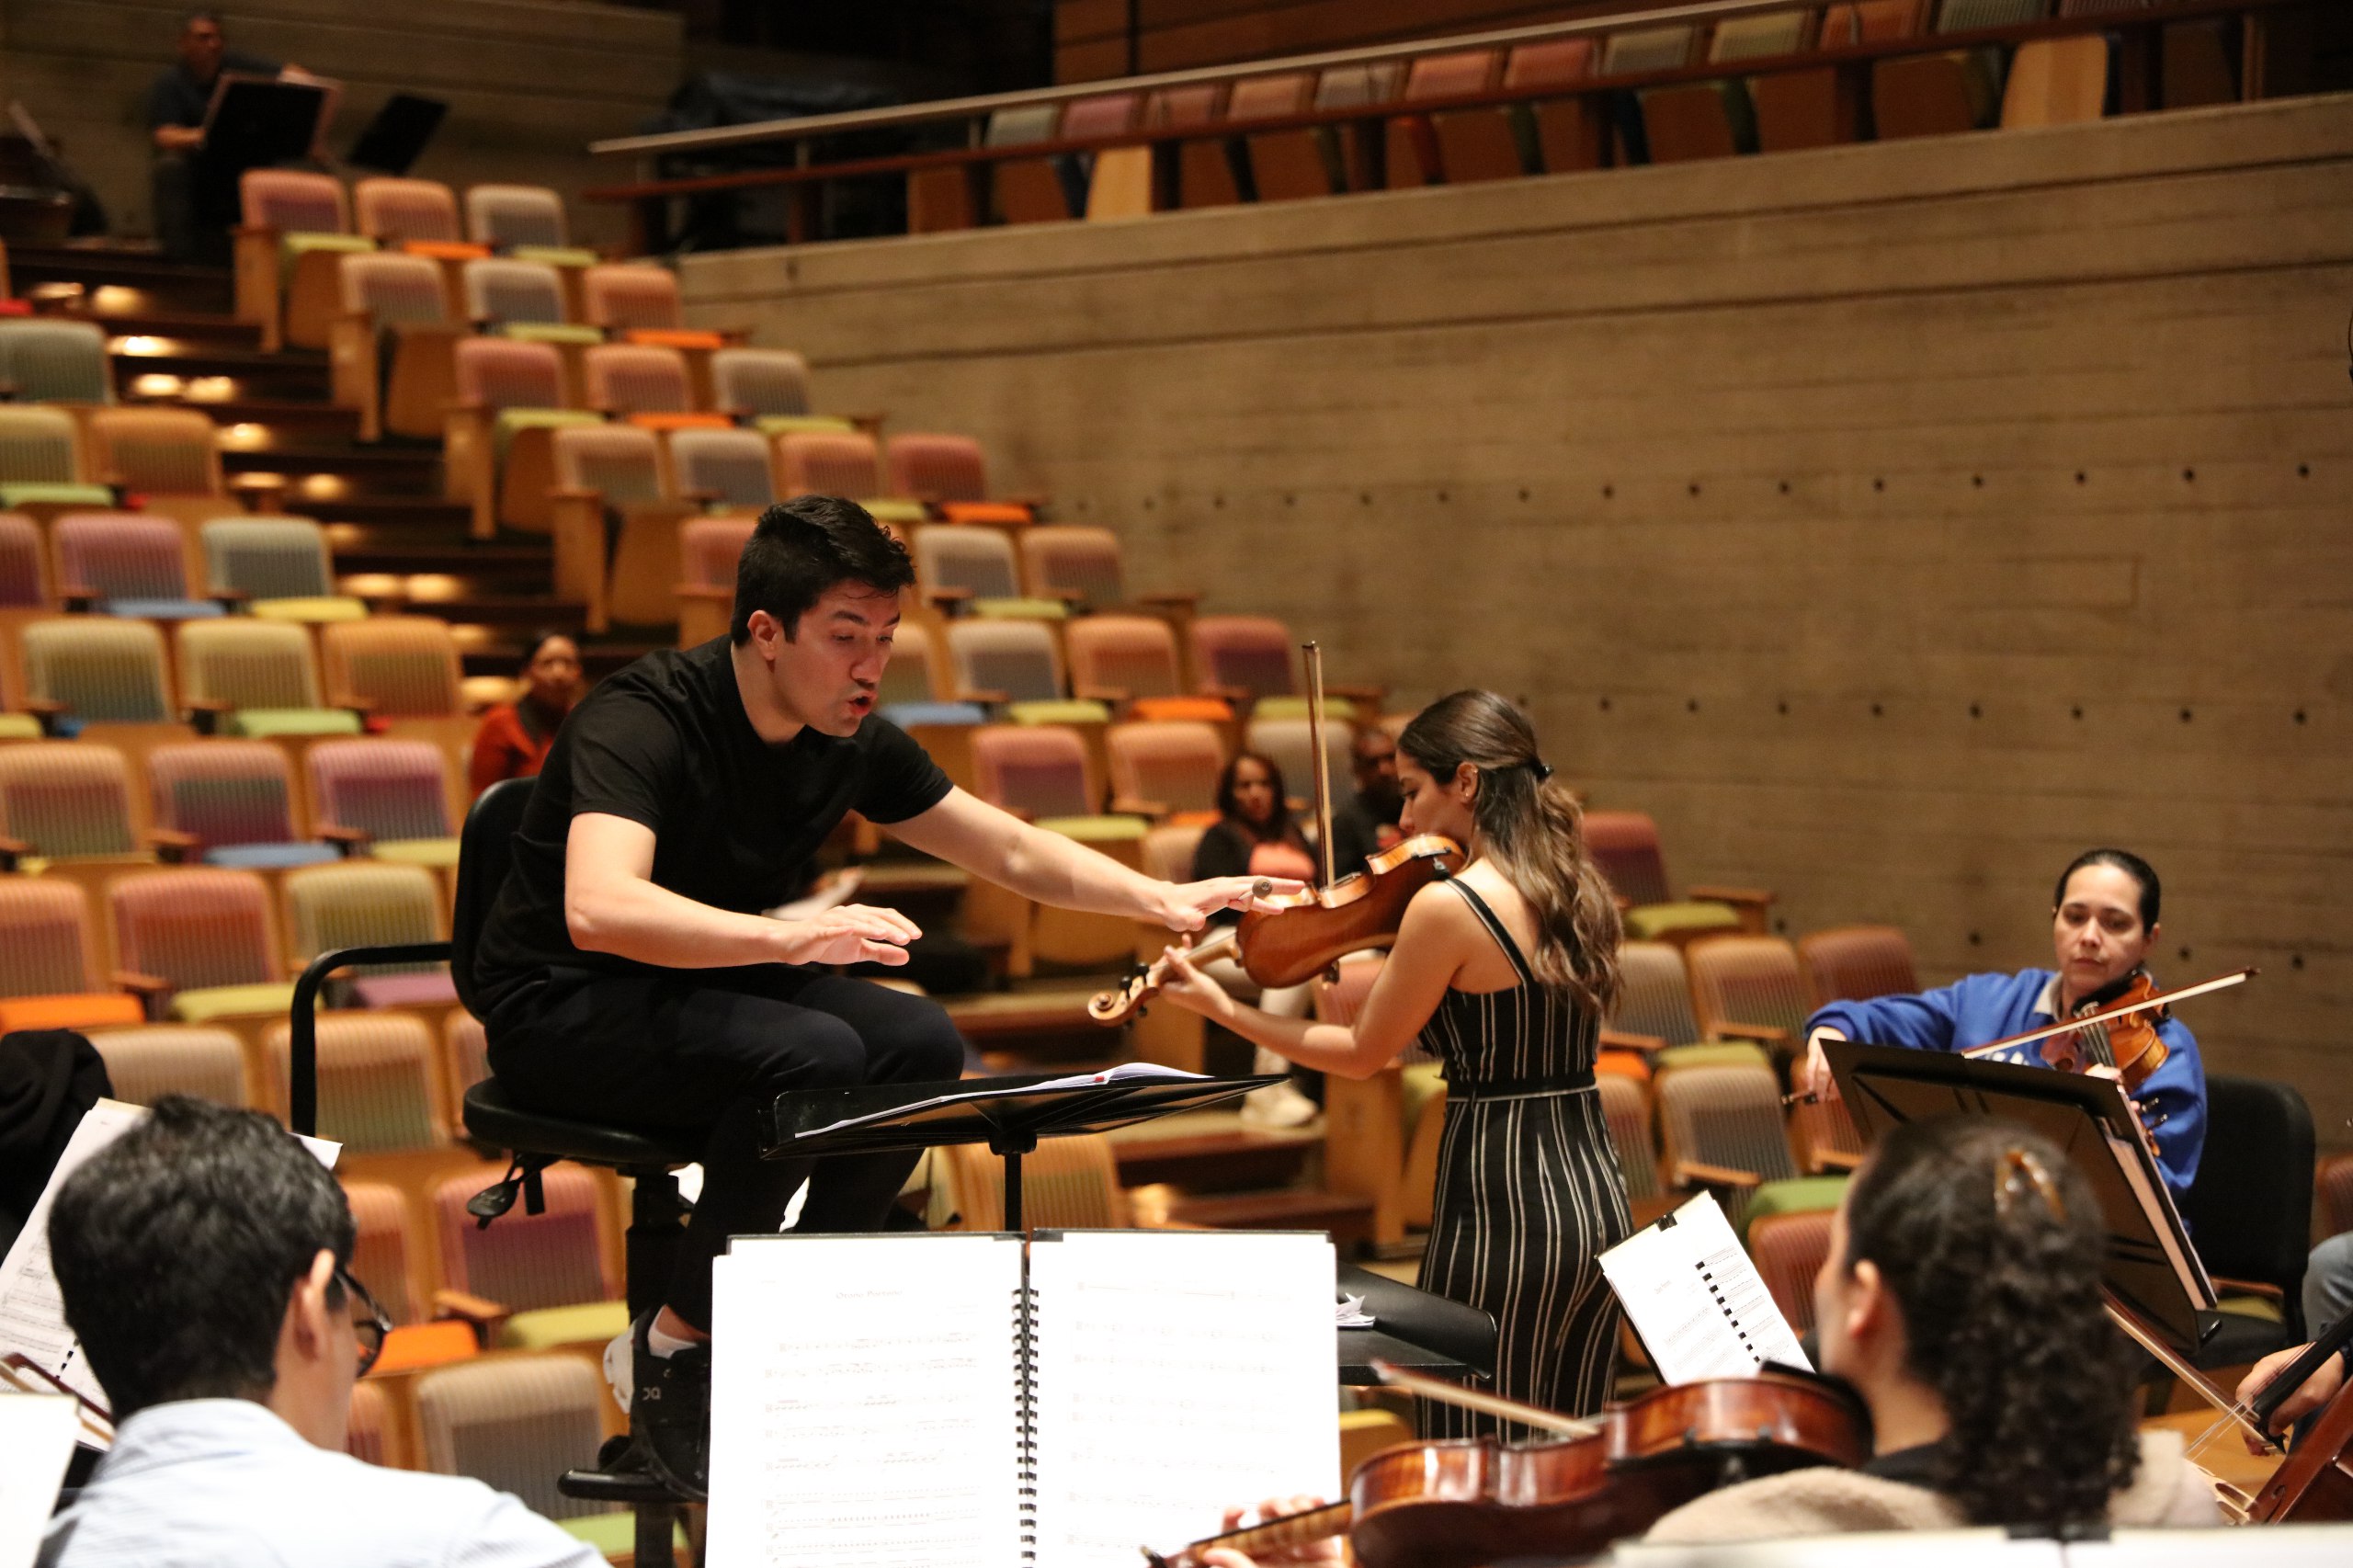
column 1696, row 1299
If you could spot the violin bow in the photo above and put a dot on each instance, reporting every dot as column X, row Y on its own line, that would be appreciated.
column 2162, row 999
column 1534, row 1415
column 1323, row 761
column 2138, row 1330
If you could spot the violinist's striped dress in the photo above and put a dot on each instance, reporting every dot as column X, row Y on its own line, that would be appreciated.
column 1529, row 1192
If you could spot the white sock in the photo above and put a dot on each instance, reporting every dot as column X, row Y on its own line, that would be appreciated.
column 665, row 1344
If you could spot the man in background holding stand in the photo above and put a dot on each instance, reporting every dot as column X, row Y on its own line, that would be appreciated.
column 196, row 194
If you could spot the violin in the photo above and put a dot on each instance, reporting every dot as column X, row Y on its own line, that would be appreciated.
column 1307, row 933
column 1458, row 1504
column 2117, row 1031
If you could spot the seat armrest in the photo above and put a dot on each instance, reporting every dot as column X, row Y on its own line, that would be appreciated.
column 984, row 697
column 1234, row 694
column 234, row 600
column 1115, row 695
column 258, row 492
column 1761, row 1034
column 1356, row 693
column 11, row 851
column 173, row 846
column 1619, row 1039
column 2226, row 1287
column 1746, row 898
column 1846, row 1160
column 947, row 598
column 348, row 841
column 1168, row 601
column 205, row 713
column 1697, row 1173
column 478, row 1312
column 144, row 987
column 1134, row 806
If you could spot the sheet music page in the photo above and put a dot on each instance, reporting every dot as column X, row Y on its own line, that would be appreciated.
column 32, row 1314
column 864, row 1411
column 37, row 1433
column 1179, row 1373
column 1696, row 1299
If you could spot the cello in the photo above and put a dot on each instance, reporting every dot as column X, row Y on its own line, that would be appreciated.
column 1307, row 933
column 1458, row 1504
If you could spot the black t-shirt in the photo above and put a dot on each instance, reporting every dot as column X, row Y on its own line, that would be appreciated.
column 666, row 743
column 1359, row 832
column 177, row 97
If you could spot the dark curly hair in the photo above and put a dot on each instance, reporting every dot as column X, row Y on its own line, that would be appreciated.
column 1991, row 1242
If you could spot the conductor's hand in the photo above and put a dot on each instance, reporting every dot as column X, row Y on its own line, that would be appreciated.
column 1325, row 1550
column 1192, row 989
column 854, row 932
column 2318, row 1390
column 1187, row 906
column 1815, row 1076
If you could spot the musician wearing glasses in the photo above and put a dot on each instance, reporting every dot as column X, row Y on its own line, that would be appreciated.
column 204, row 1262
column 2103, row 926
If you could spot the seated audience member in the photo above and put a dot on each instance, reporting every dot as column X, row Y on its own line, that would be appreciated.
column 2103, row 924
column 514, row 736
column 1961, row 1299
column 202, row 1258
column 1366, row 822
column 1255, row 836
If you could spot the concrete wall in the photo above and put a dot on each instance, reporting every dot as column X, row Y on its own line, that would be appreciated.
column 528, row 85
column 1891, row 521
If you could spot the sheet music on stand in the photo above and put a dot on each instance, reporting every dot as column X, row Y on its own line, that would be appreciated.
column 2152, row 1266
column 1698, row 1303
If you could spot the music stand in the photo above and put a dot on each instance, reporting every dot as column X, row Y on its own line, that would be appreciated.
column 395, row 139
column 257, row 123
column 1008, row 1114
column 2151, row 1268
column 1413, row 1329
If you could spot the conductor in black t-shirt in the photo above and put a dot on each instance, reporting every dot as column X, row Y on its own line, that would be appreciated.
column 626, row 974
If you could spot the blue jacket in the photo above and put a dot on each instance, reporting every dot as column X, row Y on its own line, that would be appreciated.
column 1983, row 1009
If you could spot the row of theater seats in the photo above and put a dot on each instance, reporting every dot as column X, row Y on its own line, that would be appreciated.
column 138, row 564
column 1586, row 126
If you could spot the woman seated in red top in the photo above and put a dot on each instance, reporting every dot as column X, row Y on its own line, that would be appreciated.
column 514, row 736
column 1255, row 836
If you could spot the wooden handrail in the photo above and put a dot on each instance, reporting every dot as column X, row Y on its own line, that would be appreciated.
column 978, row 108
column 2164, row 11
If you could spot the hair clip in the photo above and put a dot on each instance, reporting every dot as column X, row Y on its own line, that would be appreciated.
column 1543, row 769
column 2020, row 1172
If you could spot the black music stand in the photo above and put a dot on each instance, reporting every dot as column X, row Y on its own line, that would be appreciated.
column 1413, row 1329
column 257, row 123
column 2152, row 1267
column 1008, row 1114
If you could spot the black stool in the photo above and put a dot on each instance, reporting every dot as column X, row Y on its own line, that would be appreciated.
column 534, row 1141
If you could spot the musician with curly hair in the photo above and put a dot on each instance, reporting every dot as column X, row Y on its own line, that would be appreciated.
column 1960, row 1297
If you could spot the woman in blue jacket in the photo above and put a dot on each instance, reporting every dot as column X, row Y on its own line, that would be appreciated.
column 2103, row 922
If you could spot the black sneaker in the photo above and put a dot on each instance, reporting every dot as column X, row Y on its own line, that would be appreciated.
column 669, row 1413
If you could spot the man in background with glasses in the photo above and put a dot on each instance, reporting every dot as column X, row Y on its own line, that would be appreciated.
column 203, row 1260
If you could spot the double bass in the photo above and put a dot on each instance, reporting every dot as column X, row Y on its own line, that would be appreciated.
column 1307, row 933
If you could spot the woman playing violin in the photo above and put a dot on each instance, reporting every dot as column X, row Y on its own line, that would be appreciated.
column 1504, row 973
column 2103, row 924
column 1960, row 1297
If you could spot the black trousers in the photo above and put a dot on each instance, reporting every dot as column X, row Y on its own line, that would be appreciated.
column 705, row 1051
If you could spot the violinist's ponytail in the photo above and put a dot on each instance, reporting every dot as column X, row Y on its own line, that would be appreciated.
column 1534, row 829
column 1991, row 1242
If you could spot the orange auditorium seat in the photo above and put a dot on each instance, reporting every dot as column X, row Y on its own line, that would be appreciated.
column 1413, row 153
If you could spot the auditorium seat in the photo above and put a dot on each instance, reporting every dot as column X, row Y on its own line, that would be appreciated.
column 24, row 583
column 297, row 226
column 1638, row 52
column 145, row 1062
column 235, row 800
column 379, row 1092
column 956, row 567
column 917, row 695
column 2250, row 1209
column 71, row 805
column 370, row 1434
column 389, row 348
column 260, row 679
column 41, row 471
column 47, row 360
column 126, row 564
column 555, row 1274
column 1067, row 1182
column 388, row 797
column 1284, row 164
column 1653, row 996
column 1205, row 166
column 465, row 1052
column 385, row 1252
column 49, row 966
column 1720, row 1122
column 419, row 216
column 167, row 456
column 708, row 550
column 1028, row 190
column 1166, row 769
column 523, row 299
column 768, row 388
column 638, row 302
column 498, row 453
column 2056, row 81
column 1130, row 661
column 1570, row 132
column 1243, row 658
column 403, row 672
column 1110, row 181
column 725, row 470
column 200, row 943
column 102, row 679
column 526, row 222
column 615, row 527
column 278, row 567
column 1625, row 846
column 2332, row 1189
column 1789, row 1250
column 1079, row 565
column 949, row 475
column 1855, row 963
column 1951, row 91
column 1168, row 850
column 1017, row 665
column 1043, row 773
column 1627, row 1112
column 2199, row 63
column 1290, row 743
column 1413, row 155
column 830, row 462
column 516, row 1423
column 368, row 903
column 1748, row 986
column 645, row 384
